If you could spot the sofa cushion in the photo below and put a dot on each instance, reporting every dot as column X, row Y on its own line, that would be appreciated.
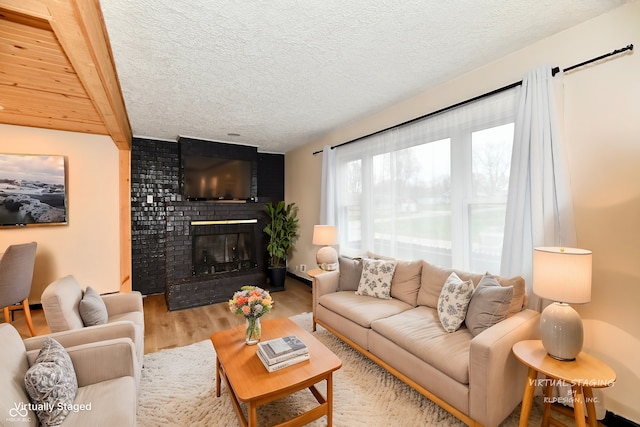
column 112, row 403
column 406, row 281
column 453, row 302
column 92, row 308
column 361, row 309
column 350, row 272
column 51, row 383
column 378, row 256
column 518, row 300
column 376, row 277
column 419, row 332
column 60, row 301
column 489, row 305
column 432, row 280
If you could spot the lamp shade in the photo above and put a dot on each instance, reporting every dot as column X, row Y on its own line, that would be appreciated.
column 325, row 235
column 562, row 274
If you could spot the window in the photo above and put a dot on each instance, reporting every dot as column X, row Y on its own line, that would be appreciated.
column 435, row 189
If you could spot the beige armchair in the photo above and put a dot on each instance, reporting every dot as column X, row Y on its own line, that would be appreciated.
column 106, row 372
column 61, row 302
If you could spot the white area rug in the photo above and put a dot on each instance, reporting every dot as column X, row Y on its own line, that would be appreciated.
column 178, row 389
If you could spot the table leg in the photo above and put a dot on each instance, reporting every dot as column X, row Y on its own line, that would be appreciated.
column 548, row 399
column 252, row 411
column 527, row 398
column 330, row 400
column 218, row 377
column 591, row 408
column 578, row 405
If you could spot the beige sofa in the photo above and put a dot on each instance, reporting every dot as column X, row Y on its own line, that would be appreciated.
column 105, row 370
column 475, row 378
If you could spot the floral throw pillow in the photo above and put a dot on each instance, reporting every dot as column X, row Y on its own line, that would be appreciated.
column 454, row 301
column 375, row 280
column 51, row 383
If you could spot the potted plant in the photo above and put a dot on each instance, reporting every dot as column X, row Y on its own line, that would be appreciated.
column 282, row 230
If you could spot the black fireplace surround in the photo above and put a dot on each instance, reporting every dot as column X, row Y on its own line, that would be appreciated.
column 171, row 234
column 197, row 278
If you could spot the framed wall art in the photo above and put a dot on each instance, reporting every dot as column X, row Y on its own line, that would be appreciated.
column 33, row 190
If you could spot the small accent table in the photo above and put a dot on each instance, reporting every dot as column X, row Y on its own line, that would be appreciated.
column 583, row 374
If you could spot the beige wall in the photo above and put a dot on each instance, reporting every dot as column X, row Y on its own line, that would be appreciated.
column 88, row 247
column 602, row 128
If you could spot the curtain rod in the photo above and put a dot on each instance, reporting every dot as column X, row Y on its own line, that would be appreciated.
column 554, row 71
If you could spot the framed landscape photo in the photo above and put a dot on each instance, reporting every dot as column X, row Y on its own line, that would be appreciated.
column 33, row 190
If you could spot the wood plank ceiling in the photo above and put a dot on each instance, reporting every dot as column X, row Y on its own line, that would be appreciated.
column 57, row 72
column 56, row 69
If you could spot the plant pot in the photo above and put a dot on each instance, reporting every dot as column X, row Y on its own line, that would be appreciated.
column 276, row 278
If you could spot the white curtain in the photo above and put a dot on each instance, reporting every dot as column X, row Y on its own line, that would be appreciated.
column 328, row 187
column 539, row 204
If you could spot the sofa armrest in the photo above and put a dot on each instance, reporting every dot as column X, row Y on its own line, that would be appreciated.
column 123, row 302
column 326, row 283
column 496, row 377
column 90, row 334
column 100, row 361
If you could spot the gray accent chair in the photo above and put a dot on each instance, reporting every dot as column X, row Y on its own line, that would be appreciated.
column 106, row 370
column 16, row 274
column 61, row 302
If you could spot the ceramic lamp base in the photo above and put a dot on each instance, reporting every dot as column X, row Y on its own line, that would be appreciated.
column 561, row 331
column 327, row 258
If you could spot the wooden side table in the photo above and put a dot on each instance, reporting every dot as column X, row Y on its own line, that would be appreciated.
column 313, row 273
column 583, row 374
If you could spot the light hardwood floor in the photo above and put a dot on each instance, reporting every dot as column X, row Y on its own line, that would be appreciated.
column 165, row 329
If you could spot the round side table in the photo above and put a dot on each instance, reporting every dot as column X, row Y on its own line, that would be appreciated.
column 583, row 374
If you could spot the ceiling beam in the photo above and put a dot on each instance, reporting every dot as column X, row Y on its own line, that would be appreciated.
column 79, row 26
column 35, row 8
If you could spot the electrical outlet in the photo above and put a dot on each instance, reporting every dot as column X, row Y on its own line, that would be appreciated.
column 303, row 268
column 149, row 198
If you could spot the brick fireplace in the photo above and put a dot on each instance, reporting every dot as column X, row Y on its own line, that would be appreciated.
column 162, row 235
column 212, row 250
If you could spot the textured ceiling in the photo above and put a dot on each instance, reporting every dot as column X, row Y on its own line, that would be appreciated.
column 285, row 72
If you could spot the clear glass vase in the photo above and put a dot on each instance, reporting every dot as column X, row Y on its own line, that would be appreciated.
column 253, row 331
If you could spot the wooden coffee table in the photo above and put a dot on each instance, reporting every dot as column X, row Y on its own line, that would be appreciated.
column 249, row 382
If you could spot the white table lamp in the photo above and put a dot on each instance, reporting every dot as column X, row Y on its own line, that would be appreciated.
column 562, row 275
column 327, row 257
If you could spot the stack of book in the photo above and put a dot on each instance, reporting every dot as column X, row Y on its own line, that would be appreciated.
column 279, row 353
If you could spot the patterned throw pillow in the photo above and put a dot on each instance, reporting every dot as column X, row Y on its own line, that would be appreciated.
column 51, row 383
column 376, row 277
column 453, row 302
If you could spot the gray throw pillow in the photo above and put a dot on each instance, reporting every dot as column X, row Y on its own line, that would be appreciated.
column 350, row 272
column 51, row 383
column 92, row 309
column 489, row 304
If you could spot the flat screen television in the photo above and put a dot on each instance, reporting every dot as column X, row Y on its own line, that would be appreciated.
column 214, row 178
column 33, row 190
